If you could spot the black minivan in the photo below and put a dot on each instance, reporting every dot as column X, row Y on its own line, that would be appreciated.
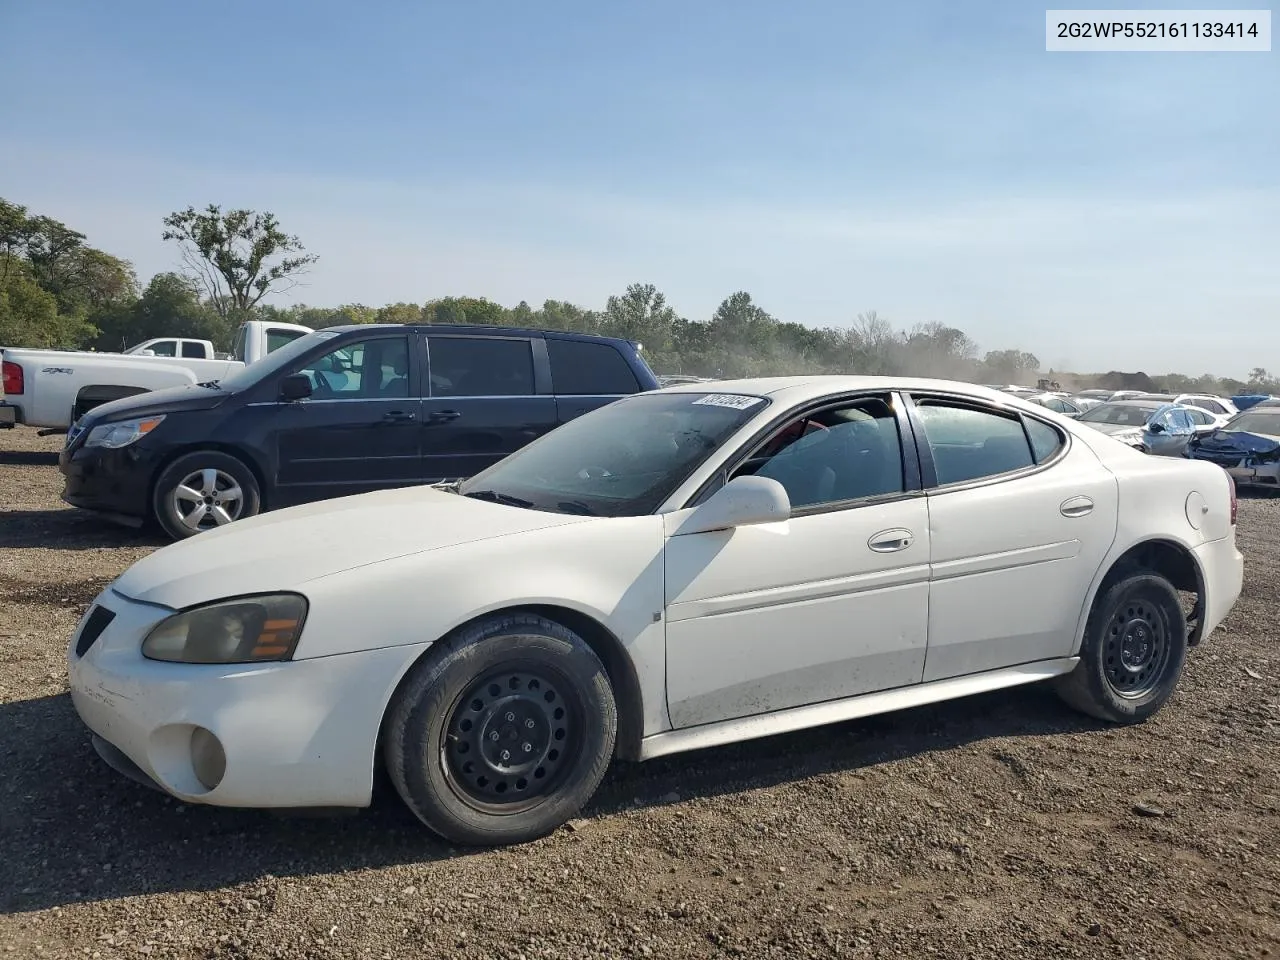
column 340, row 411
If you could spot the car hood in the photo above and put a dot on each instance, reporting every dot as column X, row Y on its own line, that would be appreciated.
column 1111, row 428
column 283, row 549
column 169, row 400
column 1238, row 441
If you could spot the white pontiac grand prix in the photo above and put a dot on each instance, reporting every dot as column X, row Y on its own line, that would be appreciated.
column 682, row 568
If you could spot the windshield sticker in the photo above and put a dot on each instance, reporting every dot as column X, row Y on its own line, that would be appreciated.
column 731, row 400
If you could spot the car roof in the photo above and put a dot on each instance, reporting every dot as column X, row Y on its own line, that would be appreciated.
column 477, row 330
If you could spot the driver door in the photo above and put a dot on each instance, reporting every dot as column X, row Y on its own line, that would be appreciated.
column 361, row 428
column 830, row 603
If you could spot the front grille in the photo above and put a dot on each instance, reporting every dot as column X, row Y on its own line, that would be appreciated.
column 98, row 620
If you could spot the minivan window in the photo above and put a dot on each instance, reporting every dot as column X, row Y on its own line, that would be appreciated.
column 254, row 373
column 480, row 367
column 582, row 368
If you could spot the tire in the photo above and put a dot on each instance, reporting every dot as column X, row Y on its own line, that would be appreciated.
column 531, row 678
column 1135, row 646
column 218, row 476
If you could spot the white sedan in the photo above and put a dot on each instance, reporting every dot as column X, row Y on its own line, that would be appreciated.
column 682, row 568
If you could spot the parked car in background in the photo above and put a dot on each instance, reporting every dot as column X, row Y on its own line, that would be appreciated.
column 1246, row 400
column 1269, row 402
column 1247, row 447
column 340, row 411
column 1125, row 394
column 55, row 388
column 674, row 571
column 1057, row 403
column 1151, row 426
column 1218, row 406
column 1086, row 403
column 1095, row 394
column 1202, row 421
column 174, row 347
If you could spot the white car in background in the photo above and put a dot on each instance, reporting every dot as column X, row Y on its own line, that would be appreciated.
column 679, row 569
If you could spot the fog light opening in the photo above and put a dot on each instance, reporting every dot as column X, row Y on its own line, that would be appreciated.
column 208, row 759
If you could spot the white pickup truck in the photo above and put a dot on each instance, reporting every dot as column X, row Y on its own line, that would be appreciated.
column 53, row 388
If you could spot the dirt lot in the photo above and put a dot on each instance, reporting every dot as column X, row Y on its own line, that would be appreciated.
column 998, row 827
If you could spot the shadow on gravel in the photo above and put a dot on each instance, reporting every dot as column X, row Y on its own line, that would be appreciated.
column 72, row 830
column 28, row 458
column 68, row 529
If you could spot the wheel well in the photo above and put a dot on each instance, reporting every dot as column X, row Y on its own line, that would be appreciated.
column 622, row 674
column 224, row 448
column 1172, row 561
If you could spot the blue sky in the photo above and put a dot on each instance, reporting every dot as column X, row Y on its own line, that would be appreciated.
column 929, row 161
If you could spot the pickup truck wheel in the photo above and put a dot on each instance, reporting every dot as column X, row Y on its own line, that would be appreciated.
column 1135, row 646
column 203, row 490
column 502, row 732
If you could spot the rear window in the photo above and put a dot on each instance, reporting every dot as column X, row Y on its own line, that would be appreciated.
column 193, row 350
column 589, row 369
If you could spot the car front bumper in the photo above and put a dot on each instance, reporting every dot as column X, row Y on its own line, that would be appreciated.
column 115, row 482
column 1256, row 475
column 301, row 733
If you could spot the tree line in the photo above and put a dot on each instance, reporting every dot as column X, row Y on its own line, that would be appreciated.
column 57, row 291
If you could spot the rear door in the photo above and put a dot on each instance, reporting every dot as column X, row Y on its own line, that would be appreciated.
column 586, row 375
column 1020, row 519
column 359, row 430
column 486, row 397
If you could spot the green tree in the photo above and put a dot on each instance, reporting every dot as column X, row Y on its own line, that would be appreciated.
column 475, row 310
column 237, row 257
column 170, row 306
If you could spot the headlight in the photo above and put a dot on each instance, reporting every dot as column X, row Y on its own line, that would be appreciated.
column 243, row 630
column 121, row 433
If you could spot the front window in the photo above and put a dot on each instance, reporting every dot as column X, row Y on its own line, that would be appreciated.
column 254, row 373
column 1265, row 424
column 366, row 369
column 620, row 460
column 1122, row 414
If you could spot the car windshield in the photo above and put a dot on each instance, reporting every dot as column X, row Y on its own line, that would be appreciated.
column 1266, row 424
column 620, row 460
column 1126, row 414
column 253, row 373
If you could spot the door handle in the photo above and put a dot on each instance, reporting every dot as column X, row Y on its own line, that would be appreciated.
column 891, row 541
column 1076, row 507
column 398, row 416
column 443, row 416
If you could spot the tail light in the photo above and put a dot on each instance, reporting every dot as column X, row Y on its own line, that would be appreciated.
column 13, row 378
column 1235, row 505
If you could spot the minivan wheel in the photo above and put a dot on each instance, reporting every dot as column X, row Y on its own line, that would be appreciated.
column 203, row 490
column 1134, row 649
column 502, row 732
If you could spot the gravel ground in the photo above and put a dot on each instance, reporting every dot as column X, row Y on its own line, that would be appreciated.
column 996, row 827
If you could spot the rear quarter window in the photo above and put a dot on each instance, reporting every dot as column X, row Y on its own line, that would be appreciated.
column 580, row 368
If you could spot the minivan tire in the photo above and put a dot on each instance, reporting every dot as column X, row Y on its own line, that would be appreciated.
column 227, row 488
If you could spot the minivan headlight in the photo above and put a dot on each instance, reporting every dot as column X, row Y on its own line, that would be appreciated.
column 242, row 630
column 121, row 433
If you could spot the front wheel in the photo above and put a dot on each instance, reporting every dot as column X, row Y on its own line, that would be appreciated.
column 204, row 490
column 1134, row 649
column 502, row 733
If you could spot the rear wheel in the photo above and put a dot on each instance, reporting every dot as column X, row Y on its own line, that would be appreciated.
column 1134, row 649
column 203, row 490
column 502, row 733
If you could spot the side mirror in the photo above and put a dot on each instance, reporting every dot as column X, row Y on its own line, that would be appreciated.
column 740, row 502
column 296, row 387
column 146, row 353
column 1156, row 427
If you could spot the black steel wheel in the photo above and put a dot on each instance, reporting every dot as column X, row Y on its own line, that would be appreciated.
column 1134, row 649
column 511, row 736
column 502, row 731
